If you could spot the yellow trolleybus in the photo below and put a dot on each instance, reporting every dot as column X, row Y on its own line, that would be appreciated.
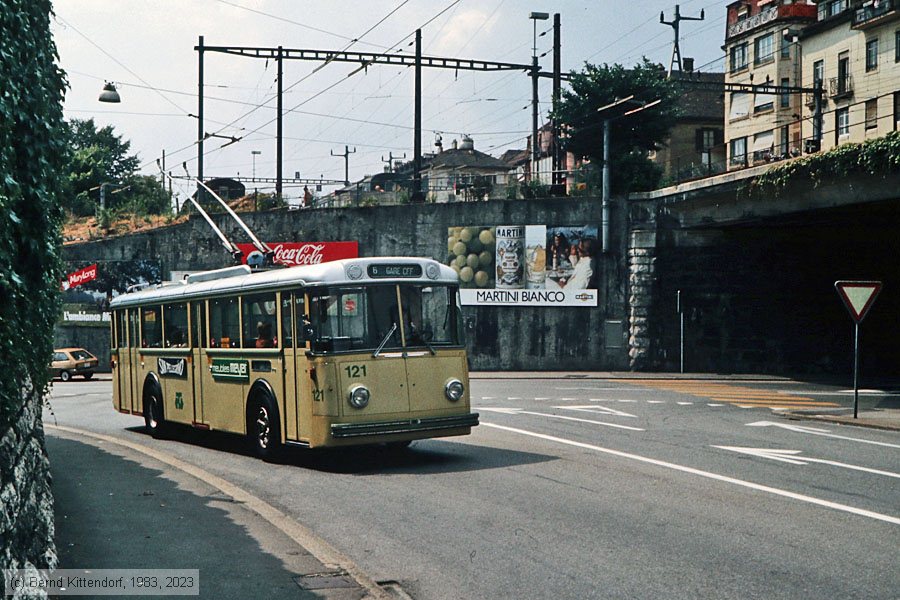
column 356, row 351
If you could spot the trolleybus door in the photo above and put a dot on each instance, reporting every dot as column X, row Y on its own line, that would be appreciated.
column 132, row 361
column 294, row 345
column 198, row 357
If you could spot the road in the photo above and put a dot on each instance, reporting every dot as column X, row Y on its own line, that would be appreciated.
column 590, row 488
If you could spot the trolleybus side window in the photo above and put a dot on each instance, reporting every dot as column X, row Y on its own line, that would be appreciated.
column 260, row 321
column 121, row 336
column 199, row 338
column 175, row 325
column 287, row 331
column 151, row 327
column 133, row 328
column 305, row 330
column 224, row 323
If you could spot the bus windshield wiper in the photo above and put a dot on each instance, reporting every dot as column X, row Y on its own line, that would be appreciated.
column 385, row 340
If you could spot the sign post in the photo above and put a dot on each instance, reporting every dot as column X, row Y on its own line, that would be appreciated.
column 858, row 297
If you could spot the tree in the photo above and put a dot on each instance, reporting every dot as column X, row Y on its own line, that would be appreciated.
column 631, row 139
column 100, row 156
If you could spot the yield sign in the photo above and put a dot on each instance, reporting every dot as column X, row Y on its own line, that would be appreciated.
column 858, row 296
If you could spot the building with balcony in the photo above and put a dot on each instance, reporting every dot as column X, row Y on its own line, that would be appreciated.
column 760, row 48
column 853, row 48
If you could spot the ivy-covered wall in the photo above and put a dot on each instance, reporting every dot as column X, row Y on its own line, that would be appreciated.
column 31, row 150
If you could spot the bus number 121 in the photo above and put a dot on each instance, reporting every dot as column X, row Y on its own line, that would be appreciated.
column 355, row 370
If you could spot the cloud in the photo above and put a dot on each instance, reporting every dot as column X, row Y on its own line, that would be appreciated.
column 461, row 29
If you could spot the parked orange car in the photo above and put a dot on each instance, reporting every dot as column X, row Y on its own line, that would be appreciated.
column 68, row 362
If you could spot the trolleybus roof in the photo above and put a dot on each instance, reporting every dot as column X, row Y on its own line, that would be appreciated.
column 241, row 279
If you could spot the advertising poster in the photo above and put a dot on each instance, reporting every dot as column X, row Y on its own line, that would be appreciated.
column 525, row 265
column 295, row 254
column 89, row 287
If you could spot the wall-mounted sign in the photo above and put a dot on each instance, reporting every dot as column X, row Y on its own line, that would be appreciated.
column 525, row 265
column 294, row 254
column 226, row 369
column 79, row 277
column 171, row 367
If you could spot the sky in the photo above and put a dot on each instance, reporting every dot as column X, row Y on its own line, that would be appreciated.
column 147, row 49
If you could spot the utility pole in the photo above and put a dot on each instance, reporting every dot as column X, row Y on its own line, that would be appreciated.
column 674, row 24
column 346, row 156
column 278, row 128
column 556, row 178
column 535, row 70
column 200, row 132
column 390, row 160
column 417, row 122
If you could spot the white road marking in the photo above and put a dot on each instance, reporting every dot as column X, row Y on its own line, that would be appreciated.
column 519, row 411
column 629, row 401
column 791, row 457
column 656, row 401
column 601, row 410
column 817, row 431
column 685, row 403
column 706, row 474
column 488, row 398
column 543, row 398
column 714, row 404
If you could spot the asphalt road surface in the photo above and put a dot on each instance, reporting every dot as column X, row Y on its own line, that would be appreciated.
column 590, row 488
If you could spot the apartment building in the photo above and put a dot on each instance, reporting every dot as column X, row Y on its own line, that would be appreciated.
column 853, row 48
column 760, row 47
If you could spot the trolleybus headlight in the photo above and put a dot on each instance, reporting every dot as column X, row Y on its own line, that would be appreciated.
column 359, row 396
column 454, row 390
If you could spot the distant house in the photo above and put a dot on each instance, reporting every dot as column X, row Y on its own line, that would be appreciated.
column 464, row 173
column 228, row 189
column 696, row 145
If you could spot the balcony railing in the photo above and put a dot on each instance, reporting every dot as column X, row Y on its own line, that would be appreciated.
column 872, row 12
column 840, row 87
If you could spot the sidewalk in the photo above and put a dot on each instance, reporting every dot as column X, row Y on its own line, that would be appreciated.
column 115, row 512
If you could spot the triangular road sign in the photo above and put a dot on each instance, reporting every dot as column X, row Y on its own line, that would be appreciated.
column 858, row 296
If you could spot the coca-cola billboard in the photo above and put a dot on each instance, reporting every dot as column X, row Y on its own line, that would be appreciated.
column 295, row 254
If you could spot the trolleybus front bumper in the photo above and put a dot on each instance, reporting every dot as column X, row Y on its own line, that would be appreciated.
column 379, row 428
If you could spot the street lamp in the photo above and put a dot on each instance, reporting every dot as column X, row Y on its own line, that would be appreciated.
column 109, row 93
column 535, row 153
column 255, row 153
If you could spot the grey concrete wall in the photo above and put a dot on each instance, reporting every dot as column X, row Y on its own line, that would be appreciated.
column 504, row 338
column 26, row 501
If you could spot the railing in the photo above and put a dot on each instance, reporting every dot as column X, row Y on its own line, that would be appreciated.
column 840, row 86
column 872, row 11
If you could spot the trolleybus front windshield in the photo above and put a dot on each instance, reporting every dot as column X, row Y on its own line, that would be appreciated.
column 384, row 316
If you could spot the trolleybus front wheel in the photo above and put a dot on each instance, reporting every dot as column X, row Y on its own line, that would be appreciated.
column 154, row 420
column 263, row 430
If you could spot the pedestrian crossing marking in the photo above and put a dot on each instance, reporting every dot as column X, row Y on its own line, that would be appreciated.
column 736, row 395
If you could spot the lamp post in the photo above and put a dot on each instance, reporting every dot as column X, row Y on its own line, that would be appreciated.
column 535, row 152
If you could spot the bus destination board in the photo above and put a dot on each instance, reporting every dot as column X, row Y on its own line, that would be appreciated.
column 388, row 271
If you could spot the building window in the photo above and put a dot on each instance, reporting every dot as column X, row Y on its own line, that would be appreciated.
column 831, row 8
column 897, row 46
column 763, row 102
column 784, row 141
column 785, row 96
column 763, row 144
column 872, row 54
column 842, row 122
column 739, row 151
column 872, row 113
column 740, row 106
column 896, row 111
column 739, row 57
column 785, row 48
column 819, row 71
column 764, row 48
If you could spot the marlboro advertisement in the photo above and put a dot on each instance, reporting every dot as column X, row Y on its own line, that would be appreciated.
column 295, row 254
column 525, row 265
